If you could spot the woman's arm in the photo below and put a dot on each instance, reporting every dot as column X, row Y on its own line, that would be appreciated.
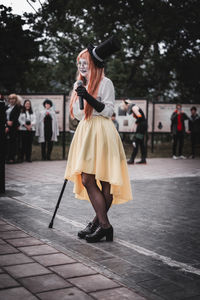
column 107, row 94
column 97, row 105
column 33, row 119
column 105, row 107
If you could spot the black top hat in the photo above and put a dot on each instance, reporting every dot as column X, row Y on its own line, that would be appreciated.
column 47, row 101
column 105, row 49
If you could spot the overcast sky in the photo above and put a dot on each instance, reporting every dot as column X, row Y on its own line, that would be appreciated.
column 21, row 6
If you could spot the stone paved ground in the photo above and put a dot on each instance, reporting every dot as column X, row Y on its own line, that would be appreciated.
column 31, row 269
column 156, row 168
column 155, row 252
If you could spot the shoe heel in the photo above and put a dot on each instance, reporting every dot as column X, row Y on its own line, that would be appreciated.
column 109, row 235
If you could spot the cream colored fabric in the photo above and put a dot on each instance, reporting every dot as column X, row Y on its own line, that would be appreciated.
column 106, row 95
column 97, row 149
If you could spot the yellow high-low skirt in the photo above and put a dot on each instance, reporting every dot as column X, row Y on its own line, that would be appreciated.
column 97, row 149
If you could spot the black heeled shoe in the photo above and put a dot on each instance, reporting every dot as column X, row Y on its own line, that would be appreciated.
column 90, row 228
column 99, row 234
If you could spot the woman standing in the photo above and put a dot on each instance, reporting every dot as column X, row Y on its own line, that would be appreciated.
column 27, row 122
column 12, row 124
column 47, row 129
column 96, row 161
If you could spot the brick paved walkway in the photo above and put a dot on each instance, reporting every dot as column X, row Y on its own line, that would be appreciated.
column 156, row 168
column 31, row 269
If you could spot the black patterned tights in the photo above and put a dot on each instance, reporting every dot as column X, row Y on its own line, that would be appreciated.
column 101, row 199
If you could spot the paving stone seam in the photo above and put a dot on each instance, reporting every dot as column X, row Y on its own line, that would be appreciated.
column 50, row 289
column 56, row 265
column 73, row 277
column 11, row 286
column 31, row 276
column 17, row 279
column 13, row 265
column 17, row 263
column 23, row 245
column 111, row 274
column 110, row 289
column 71, row 253
column 39, row 293
column 141, row 290
column 13, row 238
column 56, row 251
column 47, row 212
column 104, row 289
column 20, row 285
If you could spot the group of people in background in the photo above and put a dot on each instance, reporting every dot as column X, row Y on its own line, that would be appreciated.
column 22, row 124
column 178, row 130
column 139, row 139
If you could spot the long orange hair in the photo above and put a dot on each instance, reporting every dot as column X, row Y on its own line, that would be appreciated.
column 95, row 76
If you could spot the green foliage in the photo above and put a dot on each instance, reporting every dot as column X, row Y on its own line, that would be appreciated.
column 17, row 48
column 159, row 56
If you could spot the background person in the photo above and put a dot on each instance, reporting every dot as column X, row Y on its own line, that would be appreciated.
column 178, row 131
column 139, row 137
column 27, row 121
column 11, row 129
column 115, row 122
column 194, row 129
column 123, row 108
column 47, row 129
column 96, row 160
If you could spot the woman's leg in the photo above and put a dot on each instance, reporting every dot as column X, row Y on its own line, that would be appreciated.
column 23, row 142
column 29, row 145
column 49, row 149
column 108, row 198
column 43, row 150
column 97, row 199
column 134, row 153
column 174, row 145
column 107, row 195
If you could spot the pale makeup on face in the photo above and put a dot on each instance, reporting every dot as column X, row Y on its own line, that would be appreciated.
column 83, row 67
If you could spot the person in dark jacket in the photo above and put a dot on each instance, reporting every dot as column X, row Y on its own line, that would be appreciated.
column 139, row 138
column 47, row 129
column 12, row 124
column 194, row 129
column 27, row 120
column 115, row 122
column 178, row 119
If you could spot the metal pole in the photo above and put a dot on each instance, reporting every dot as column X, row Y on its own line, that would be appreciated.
column 58, row 203
column 147, row 117
column 153, row 125
column 64, row 126
column 2, row 148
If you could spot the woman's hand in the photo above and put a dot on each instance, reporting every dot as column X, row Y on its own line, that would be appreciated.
column 97, row 105
column 10, row 123
column 28, row 127
column 81, row 91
